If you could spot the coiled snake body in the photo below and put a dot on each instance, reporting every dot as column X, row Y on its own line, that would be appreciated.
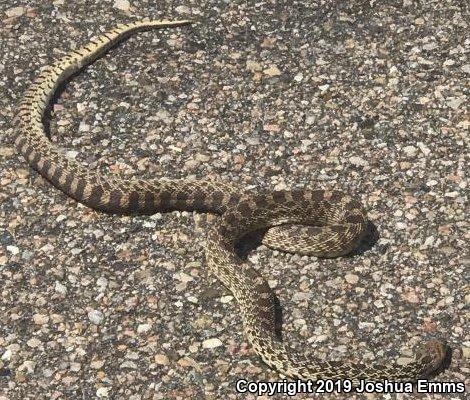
column 317, row 222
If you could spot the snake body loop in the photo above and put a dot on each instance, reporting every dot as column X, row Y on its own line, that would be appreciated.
column 315, row 222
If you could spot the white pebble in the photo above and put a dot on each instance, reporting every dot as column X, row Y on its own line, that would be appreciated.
column 61, row 217
column 129, row 364
column 310, row 119
column 185, row 278
column 424, row 148
column 404, row 360
column 358, row 161
column 71, row 153
column 430, row 46
column 192, row 299
column 27, row 255
column 59, row 288
column 401, row 225
column 15, row 12
column 321, row 338
column 33, row 342
column 95, row 317
column 29, row 365
column 102, row 283
column 393, row 70
column 454, row 102
column 13, row 249
column 211, row 343
column 298, row 77
column 76, row 251
column 122, row 5
column 226, row 299
column 144, row 328
column 102, row 392
column 7, row 355
column 410, row 150
column 429, row 241
column 301, row 296
column 183, row 10
column 378, row 303
column 83, row 127
column 448, row 63
column 351, row 278
column 75, row 367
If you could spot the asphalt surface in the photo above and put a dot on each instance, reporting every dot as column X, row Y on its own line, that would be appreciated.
column 365, row 97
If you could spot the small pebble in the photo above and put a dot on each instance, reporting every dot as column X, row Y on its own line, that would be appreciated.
column 95, row 317
column 102, row 392
column 60, row 288
column 129, row 364
column 34, row 342
column 15, row 12
column 161, row 359
column 404, row 360
column 211, row 343
column 410, row 150
column 272, row 71
column 351, row 278
column 122, row 5
column 13, row 249
column 144, row 328
column 6, row 356
column 40, row 319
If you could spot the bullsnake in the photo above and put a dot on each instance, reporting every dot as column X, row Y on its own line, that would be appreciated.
column 325, row 223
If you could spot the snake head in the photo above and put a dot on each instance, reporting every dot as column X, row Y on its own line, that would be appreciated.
column 432, row 354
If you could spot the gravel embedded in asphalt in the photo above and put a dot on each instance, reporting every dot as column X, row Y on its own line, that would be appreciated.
column 365, row 97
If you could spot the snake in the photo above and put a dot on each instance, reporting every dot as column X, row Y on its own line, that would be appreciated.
column 317, row 222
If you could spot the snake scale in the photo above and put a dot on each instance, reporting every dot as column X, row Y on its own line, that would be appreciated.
column 314, row 222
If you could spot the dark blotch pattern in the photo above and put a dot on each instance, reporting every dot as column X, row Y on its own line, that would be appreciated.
column 133, row 201
column 115, row 200
column 279, row 196
column 68, row 182
column 80, row 188
column 245, row 210
column 149, row 204
column 337, row 228
column 57, row 174
column 96, row 194
column 355, row 219
column 261, row 201
column 217, row 200
column 318, row 195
